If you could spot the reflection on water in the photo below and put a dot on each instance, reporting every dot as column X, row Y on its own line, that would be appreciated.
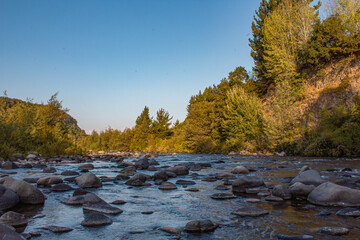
column 175, row 208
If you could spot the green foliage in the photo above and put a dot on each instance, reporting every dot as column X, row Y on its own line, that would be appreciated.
column 345, row 84
column 141, row 131
column 161, row 125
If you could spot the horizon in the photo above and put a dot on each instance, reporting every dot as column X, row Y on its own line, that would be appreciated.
column 109, row 60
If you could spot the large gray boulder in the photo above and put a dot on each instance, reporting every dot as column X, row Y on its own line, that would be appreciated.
column 93, row 204
column 281, row 191
column 243, row 182
column 8, row 233
column 308, row 177
column 300, row 190
column 138, row 179
column 27, row 193
column 48, row 181
column 330, row 194
column 16, row 220
column 200, row 226
column 9, row 165
column 8, row 198
column 96, row 220
column 88, row 180
column 179, row 170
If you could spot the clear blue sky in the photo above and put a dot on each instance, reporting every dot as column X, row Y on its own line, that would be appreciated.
column 108, row 59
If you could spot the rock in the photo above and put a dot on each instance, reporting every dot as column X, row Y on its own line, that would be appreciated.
column 335, row 231
column 185, row 182
column 138, row 180
column 253, row 200
column 58, row 229
column 27, row 193
column 31, row 180
column 200, row 226
column 74, row 201
column 122, row 177
column 222, row 196
column 250, row 212
column 8, row 198
column 209, row 179
column 274, row 199
column 31, row 156
column 69, row 173
column 304, row 168
column 222, row 187
column 162, row 175
column 87, row 166
column 49, row 170
column 192, row 189
column 93, row 203
column 171, row 230
column 88, row 180
column 142, row 164
column 289, row 237
column 119, row 202
column 17, row 156
column 300, row 190
column 26, row 165
column 308, row 177
column 26, row 235
column 79, row 191
column 240, row 170
column 48, row 181
column 147, row 212
column 61, row 187
column 9, row 165
column 96, row 220
column 153, row 162
column 8, row 233
column 348, row 212
column 220, row 176
column 16, row 220
column 240, row 184
column 35, row 234
column 167, row 186
column 179, row 170
column 152, row 168
column 281, row 191
column 330, row 194
column 130, row 170
column 255, row 190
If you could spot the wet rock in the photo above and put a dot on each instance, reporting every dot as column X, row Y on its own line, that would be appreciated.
column 96, row 220
column 17, row 156
column 192, row 189
column 70, row 179
column 147, row 212
column 179, row 170
column 171, row 230
column 346, row 170
column 348, row 212
column 49, row 170
column 87, row 166
column 88, row 180
column 209, row 179
column 200, row 226
column 153, row 162
column 308, row 177
column 334, row 231
column 142, row 164
column 281, row 191
column 8, row 233
column 161, row 175
column 31, row 180
column 222, row 187
column 167, row 186
column 274, row 199
column 122, row 177
column 93, row 203
column 26, row 235
column 49, row 180
column 119, row 202
column 138, row 180
column 240, row 170
column 256, row 190
column 31, row 156
column 39, row 165
column 26, row 165
column 222, row 196
column 70, row 173
column 330, row 194
column 58, row 229
column 130, row 170
column 27, row 193
column 253, row 200
column 9, row 165
column 250, row 212
column 61, row 187
column 220, row 176
column 8, row 198
column 289, row 237
column 152, row 168
column 324, row 213
column 74, row 201
column 35, row 234
column 240, row 184
column 16, row 220
column 79, row 191
column 185, row 182
column 300, row 190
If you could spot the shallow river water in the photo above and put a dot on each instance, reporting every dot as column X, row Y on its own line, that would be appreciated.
column 177, row 207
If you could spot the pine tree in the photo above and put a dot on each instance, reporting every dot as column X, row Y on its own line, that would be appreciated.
column 141, row 131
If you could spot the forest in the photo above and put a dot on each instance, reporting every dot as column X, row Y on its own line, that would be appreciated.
column 290, row 101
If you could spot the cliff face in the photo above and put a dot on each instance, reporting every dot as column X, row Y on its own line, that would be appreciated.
column 336, row 84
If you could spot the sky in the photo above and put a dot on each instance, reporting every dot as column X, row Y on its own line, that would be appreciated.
column 109, row 59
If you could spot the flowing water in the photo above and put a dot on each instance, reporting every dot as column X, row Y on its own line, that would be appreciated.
column 177, row 207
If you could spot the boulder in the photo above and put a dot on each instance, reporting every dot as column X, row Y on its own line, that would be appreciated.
column 96, row 220
column 300, row 190
column 167, row 186
column 222, row 196
column 8, row 233
column 86, row 166
column 58, row 229
column 225, row 176
column 348, row 212
column 138, row 180
column 122, row 177
column 335, row 231
column 17, row 156
column 74, row 201
column 330, row 194
column 142, row 164
column 49, row 180
column 130, row 170
column 9, row 165
column 250, row 212
column 200, row 226
column 281, row 191
column 93, row 203
column 27, row 193
column 16, row 220
column 240, row 184
column 49, row 170
column 179, row 170
column 162, row 175
column 69, row 173
column 185, row 182
column 8, row 198
column 61, row 187
column 308, row 177
column 171, row 230
column 88, row 180
column 240, row 170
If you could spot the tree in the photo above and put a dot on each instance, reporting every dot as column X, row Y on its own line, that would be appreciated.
column 141, row 131
column 161, row 125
